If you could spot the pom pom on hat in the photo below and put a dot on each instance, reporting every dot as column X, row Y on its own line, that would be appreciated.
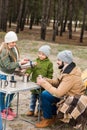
column 45, row 49
column 65, row 56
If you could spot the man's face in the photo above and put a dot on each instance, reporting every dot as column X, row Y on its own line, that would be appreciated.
column 60, row 64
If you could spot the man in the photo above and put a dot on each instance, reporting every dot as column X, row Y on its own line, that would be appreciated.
column 69, row 83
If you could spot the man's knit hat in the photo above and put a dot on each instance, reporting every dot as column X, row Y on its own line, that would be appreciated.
column 65, row 56
column 45, row 49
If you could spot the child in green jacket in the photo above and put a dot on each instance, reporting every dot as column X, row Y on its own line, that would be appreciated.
column 44, row 67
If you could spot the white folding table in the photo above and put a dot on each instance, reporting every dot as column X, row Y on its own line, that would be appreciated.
column 20, row 86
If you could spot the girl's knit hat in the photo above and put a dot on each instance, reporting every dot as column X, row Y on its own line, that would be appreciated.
column 10, row 37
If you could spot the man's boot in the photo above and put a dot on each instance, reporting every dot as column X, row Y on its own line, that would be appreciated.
column 44, row 123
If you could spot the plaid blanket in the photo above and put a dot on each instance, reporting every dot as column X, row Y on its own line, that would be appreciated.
column 72, row 107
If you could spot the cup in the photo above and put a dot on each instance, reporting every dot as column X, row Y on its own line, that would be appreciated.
column 40, row 76
column 25, row 78
column 13, row 84
column 10, row 77
column 3, row 83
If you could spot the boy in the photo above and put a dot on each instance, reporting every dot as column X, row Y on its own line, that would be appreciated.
column 44, row 68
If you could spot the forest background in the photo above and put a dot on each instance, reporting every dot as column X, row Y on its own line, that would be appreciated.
column 62, row 15
column 62, row 24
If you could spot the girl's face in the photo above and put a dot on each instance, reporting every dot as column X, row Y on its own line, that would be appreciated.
column 11, row 44
column 41, row 55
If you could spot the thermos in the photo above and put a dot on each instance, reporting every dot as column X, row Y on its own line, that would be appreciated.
column 25, row 78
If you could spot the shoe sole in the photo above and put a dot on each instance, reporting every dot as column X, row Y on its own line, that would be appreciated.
column 10, row 118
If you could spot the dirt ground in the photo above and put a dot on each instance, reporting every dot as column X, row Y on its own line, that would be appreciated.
column 22, row 122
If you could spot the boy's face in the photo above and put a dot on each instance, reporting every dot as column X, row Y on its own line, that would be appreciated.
column 41, row 55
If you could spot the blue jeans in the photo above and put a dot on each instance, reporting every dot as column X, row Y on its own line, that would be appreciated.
column 33, row 100
column 3, row 104
column 48, row 104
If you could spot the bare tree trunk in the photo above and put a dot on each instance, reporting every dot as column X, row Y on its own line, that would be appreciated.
column 27, row 19
column 11, row 11
column 32, row 20
column 24, row 15
column 84, row 18
column 70, row 20
column 45, row 14
column 62, row 16
column 66, row 16
column 55, row 24
column 0, row 14
column 75, row 25
column 10, row 22
column 19, row 16
column 3, row 14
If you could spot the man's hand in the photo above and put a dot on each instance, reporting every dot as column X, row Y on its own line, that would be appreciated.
column 40, row 80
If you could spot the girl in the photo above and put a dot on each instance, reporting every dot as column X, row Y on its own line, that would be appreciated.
column 9, row 55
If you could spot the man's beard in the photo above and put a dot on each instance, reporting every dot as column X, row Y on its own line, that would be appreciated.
column 61, row 66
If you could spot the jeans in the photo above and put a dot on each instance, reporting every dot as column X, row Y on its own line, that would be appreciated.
column 48, row 104
column 3, row 104
column 33, row 100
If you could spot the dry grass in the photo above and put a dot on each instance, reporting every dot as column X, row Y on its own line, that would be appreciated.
column 29, row 42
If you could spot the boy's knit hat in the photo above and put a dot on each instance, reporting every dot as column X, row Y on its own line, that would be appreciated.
column 65, row 56
column 45, row 49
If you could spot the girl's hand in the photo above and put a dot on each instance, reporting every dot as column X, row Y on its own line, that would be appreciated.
column 26, row 59
column 24, row 62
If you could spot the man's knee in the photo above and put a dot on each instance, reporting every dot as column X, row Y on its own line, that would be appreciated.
column 44, row 93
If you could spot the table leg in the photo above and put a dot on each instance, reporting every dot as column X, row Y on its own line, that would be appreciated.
column 17, row 102
column 39, row 101
column 6, row 112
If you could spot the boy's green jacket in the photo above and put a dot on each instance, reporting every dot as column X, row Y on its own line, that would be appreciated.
column 43, row 67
